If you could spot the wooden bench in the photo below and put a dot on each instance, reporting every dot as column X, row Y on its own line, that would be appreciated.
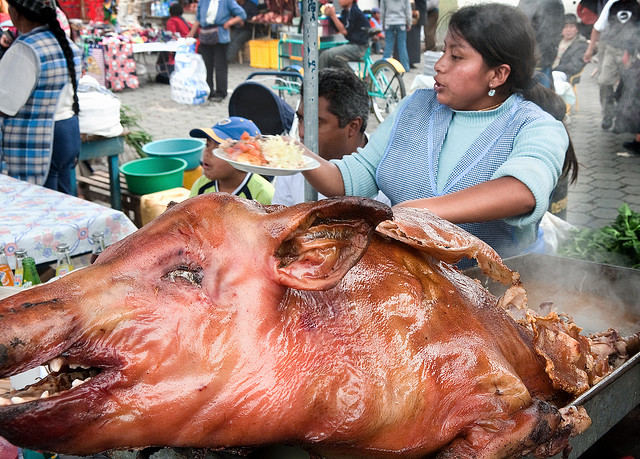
column 94, row 146
column 98, row 187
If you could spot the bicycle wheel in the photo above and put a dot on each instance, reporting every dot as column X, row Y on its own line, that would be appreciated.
column 291, row 85
column 386, row 89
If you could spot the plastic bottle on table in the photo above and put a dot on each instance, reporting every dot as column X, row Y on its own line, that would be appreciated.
column 64, row 265
column 98, row 245
column 31, row 276
column 6, row 275
column 18, row 273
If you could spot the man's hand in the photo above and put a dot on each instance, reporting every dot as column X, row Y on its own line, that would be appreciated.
column 330, row 11
column 588, row 55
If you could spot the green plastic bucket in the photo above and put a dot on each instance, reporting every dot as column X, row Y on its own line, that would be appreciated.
column 148, row 175
column 189, row 149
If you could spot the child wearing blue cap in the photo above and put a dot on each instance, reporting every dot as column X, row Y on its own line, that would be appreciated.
column 218, row 175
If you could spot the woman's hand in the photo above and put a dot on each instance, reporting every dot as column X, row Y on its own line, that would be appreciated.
column 492, row 200
column 325, row 179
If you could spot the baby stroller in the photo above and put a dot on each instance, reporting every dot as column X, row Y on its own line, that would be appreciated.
column 255, row 101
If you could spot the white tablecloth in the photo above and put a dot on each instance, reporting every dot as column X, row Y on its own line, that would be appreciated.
column 38, row 219
column 156, row 47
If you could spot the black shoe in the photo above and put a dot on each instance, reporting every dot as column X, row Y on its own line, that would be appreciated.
column 633, row 147
column 607, row 122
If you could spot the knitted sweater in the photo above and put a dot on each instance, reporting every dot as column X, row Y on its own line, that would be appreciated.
column 425, row 149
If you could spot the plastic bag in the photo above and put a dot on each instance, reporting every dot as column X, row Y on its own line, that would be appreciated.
column 189, row 78
column 555, row 231
column 563, row 88
column 99, row 109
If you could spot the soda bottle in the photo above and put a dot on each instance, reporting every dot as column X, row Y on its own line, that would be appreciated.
column 18, row 273
column 6, row 275
column 98, row 245
column 31, row 276
column 63, row 266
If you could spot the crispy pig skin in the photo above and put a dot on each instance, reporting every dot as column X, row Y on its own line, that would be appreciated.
column 228, row 324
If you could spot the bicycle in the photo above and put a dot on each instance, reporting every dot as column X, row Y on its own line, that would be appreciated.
column 384, row 79
column 385, row 84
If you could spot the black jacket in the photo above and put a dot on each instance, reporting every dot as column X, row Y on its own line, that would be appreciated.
column 571, row 61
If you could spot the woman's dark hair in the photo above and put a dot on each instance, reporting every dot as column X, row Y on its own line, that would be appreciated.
column 502, row 34
column 175, row 10
column 48, row 16
column 555, row 105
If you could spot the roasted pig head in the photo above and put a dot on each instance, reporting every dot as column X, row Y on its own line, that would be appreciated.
column 228, row 324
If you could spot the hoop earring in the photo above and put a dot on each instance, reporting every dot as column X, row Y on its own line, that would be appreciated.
column 492, row 92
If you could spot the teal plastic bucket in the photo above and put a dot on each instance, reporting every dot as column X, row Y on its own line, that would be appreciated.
column 189, row 149
column 148, row 175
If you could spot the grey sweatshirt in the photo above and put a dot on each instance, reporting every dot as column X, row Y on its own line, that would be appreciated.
column 395, row 12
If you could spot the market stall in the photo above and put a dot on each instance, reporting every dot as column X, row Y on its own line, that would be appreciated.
column 115, row 58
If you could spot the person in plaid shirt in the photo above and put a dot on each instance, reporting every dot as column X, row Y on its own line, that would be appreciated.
column 39, row 130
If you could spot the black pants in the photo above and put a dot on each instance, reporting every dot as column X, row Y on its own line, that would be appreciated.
column 215, row 59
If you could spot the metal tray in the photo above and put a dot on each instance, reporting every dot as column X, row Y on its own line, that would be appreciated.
column 597, row 297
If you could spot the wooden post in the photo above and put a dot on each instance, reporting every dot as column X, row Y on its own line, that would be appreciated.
column 83, row 11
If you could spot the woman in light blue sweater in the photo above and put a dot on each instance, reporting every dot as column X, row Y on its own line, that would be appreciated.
column 476, row 150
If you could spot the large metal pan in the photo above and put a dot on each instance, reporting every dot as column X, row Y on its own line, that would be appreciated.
column 597, row 297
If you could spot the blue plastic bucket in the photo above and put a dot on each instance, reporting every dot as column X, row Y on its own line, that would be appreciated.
column 189, row 149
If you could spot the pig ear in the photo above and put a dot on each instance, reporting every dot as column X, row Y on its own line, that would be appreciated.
column 322, row 241
column 444, row 241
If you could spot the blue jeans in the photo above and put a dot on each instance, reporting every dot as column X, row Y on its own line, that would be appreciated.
column 66, row 148
column 399, row 32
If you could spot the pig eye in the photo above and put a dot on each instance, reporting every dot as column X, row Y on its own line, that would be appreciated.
column 192, row 275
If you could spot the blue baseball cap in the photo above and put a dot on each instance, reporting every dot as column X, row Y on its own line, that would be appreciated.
column 230, row 128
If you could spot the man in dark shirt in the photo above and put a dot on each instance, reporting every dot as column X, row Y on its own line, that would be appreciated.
column 241, row 33
column 353, row 24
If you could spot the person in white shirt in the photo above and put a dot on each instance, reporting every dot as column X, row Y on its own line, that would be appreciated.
column 343, row 112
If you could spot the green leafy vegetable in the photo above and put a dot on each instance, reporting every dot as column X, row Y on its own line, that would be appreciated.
column 135, row 138
column 617, row 243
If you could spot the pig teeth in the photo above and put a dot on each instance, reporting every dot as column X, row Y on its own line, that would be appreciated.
column 75, row 366
column 77, row 382
column 56, row 364
column 16, row 400
column 45, row 394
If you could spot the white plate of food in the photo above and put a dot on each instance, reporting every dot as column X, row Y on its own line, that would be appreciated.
column 266, row 155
